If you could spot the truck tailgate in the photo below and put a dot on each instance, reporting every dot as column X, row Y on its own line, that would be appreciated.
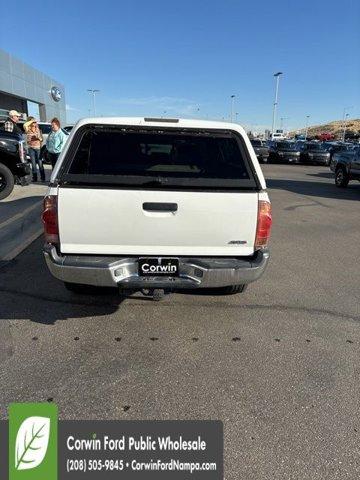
column 112, row 221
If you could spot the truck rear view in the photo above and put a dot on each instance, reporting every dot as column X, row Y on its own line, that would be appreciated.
column 156, row 205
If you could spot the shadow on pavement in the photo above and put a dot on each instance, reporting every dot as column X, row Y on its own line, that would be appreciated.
column 28, row 291
column 48, row 309
column 329, row 175
column 316, row 189
column 13, row 207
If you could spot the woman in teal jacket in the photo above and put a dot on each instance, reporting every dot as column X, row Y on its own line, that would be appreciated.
column 55, row 141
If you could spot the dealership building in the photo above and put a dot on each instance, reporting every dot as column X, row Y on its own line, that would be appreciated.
column 21, row 84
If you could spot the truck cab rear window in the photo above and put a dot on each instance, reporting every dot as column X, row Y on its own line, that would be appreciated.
column 172, row 158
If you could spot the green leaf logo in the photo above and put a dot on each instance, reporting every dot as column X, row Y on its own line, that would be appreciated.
column 32, row 442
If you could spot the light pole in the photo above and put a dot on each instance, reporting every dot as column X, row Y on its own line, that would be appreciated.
column 93, row 91
column 232, row 107
column 307, row 126
column 347, row 115
column 277, row 76
column 236, row 117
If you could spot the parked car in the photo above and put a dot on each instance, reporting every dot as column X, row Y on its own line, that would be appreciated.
column 278, row 135
column 314, row 153
column 176, row 204
column 13, row 165
column 68, row 128
column 336, row 147
column 325, row 136
column 261, row 150
column 347, row 166
column 284, row 152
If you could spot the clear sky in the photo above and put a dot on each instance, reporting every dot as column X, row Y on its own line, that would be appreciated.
column 187, row 57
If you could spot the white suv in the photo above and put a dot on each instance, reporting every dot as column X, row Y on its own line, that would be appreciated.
column 156, row 205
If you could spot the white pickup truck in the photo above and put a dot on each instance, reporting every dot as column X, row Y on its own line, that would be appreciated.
column 157, row 205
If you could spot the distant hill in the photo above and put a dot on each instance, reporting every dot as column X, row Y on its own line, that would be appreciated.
column 336, row 128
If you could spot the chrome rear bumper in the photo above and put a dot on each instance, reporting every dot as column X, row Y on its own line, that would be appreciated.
column 122, row 272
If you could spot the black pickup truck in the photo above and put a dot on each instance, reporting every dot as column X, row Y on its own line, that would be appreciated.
column 13, row 165
column 346, row 165
column 314, row 153
column 284, row 152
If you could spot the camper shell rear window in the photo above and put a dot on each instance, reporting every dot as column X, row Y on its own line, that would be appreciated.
column 158, row 158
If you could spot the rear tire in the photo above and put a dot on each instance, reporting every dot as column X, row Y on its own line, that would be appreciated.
column 341, row 177
column 6, row 182
column 233, row 289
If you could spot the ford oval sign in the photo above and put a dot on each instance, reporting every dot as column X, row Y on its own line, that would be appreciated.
column 55, row 93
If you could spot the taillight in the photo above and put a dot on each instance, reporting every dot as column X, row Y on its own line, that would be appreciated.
column 50, row 219
column 263, row 225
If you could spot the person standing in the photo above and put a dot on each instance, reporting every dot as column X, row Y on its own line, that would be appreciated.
column 55, row 141
column 34, row 140
column 11, row 123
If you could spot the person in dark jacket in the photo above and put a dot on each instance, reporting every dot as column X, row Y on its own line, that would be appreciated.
column 11, row 123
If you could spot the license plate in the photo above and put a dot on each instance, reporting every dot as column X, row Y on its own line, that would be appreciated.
column 154, row 267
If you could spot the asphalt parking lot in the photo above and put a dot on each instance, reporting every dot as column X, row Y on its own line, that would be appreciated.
column 279, row 364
